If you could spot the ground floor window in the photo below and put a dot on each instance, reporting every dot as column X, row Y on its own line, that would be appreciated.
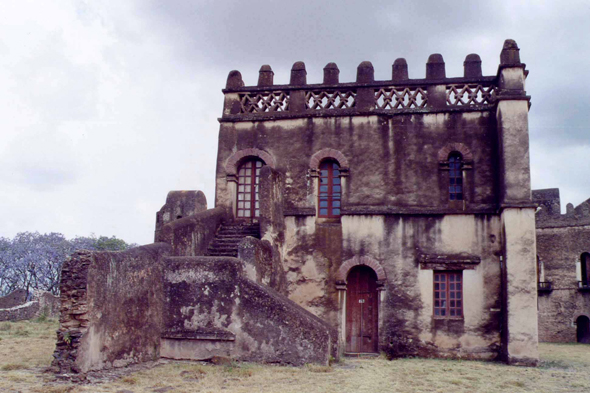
column 448, row 294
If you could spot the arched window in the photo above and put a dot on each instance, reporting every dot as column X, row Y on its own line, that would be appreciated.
column 585, row 269
column 248, row 177
column 455, row 177
column 330, row 189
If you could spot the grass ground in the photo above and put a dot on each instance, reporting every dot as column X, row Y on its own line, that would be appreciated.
column 26, row 349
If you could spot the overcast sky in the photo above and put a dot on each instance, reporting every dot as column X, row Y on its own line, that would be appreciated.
column 105, row 106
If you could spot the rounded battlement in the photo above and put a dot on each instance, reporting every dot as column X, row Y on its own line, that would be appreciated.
column 434, row 92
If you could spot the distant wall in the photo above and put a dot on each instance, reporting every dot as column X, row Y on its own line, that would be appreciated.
column 559, row 250
column 549, row 212
column 549, row 202
column 43, row 303
column 111, row 309
column 190, row 236
column 14, row 298
column 212, row 309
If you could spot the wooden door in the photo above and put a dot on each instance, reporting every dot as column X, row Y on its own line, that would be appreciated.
column 361, row 311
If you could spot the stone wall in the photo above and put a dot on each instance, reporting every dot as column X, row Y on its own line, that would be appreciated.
column 549, row 212
column 399, row 244
column 42, row 304
column 559, row 250
column 14, row 298
column 180, row 204
column 190, row 236
column 400, row 171
column 262, row 263
column 561, row 240
column 212, row 309
column 111, row 309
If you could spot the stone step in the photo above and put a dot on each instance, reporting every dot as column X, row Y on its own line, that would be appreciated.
column 232, row 231
column 228, row 238
column 223, row 247
column 227, row 241
column 241, row 228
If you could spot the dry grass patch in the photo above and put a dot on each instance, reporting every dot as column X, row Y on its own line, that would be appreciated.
column 12, row 367
column 563, row 368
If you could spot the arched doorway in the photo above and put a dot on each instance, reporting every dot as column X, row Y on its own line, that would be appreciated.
column 583, row 329
column 361, row 310
column 248, row 208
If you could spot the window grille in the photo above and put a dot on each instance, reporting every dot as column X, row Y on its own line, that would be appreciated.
column 448, row 294
column 330, row 190
column 455, row 177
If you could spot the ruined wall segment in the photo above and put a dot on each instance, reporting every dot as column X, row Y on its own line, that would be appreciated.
column 42, row 304
column 111, row 309
column 14, row 298
column 180, row 204
column 190, row 236
column 213, row 309
column 561, row 241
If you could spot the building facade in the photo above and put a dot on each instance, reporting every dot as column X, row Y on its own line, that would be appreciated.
column 402, row 212
column 563, row 258
column 373, row 216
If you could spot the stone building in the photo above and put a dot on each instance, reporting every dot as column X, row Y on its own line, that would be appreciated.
column 563, row 259
column 359, row 217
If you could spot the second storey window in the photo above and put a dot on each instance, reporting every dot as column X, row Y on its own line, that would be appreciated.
column 585, row 268
column 330, row 189
column 455, row 177
column 448, row 294
column 248, row 178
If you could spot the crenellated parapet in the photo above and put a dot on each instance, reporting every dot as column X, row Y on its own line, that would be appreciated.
column 434, row 93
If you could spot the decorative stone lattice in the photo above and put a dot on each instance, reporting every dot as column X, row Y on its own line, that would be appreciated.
column 466, row 95
column 275, row 101
column 400, row 98
column 321, row 99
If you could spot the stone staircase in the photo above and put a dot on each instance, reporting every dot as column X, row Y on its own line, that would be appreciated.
column 225, row 243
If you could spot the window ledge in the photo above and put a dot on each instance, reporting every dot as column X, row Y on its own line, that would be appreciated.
column 327, row 220
column 448, row 262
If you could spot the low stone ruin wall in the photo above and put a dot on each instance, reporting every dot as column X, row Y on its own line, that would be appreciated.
column 43, row 303
column 263, row 264
column 190, row 236
column 213, row 309
column 111, row 309
column 13, row 299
